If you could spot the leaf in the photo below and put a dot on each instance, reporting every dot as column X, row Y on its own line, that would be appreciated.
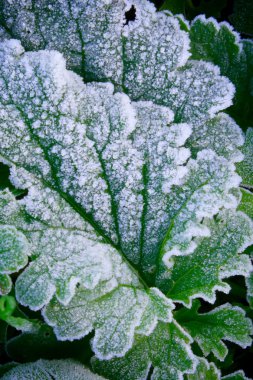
column 209, row 135
column 14, row 252
column 104, row 46
column 216, row 258
column 246, row 204
column 210, row 329
column 46, row 369
column 167, row 349
column 118, row 189
column 238, row 375
column 249, row 283
column 219, row 44
column 114, row 314
column 245, row 168
column 205, row 370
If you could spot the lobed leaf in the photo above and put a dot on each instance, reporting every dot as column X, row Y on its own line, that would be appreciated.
column 220, row 44
column 215, row 258
column 210, row 329
column 14, row 252
column 205, row 370
column 166, row 349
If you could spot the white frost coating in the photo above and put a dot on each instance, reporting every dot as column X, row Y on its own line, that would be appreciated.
column 159, row 307
column 207, row 187
column 219, row 26
column 115, row 317
column 216, row 257
column 235, row 374
column 147, row 56
column 222, row 135
column 14, row 252
column 228, row 323
column 47, row 369
column 155, row 41
column 46, row 113
column 164, row 156
column 167, row 349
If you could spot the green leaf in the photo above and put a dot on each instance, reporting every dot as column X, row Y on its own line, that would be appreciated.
column 167, row 349
column 210, row 329
column 205, row 370
column 114, row 314
column 216, row 258
column 239, row 375
column 219, row 44
column 245, row 168
column 148, row 66
column 246, row 204
column 249, row 283
column 14, row 252
column 54, row 369
column 120, row 187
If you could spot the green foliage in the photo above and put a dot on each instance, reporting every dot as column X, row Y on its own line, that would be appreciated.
column 129, row 199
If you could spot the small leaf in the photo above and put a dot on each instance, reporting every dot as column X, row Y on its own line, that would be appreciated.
column 205, row 371
column 209, row 329
column 239, row 375
column 215, row 258
column 14, row 252
column 218, row 43
column 54, row 369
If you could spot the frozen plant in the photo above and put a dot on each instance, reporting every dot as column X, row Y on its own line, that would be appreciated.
column 129, row 157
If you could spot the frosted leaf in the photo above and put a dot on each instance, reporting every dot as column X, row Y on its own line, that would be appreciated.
column 114, row 313
column 210, row 134
column 215, row 258
column 14, row 252
column 102, row 159
column 245, row 168
column 65, row 255
column 205, row 371
column 164, row 166
column 225, row 322
column 68, row 255
column 238, row 375
column 146, row 57
column 246, row 202
column 220, row 44
column 194, row 92
column 45, row 112
column 93, row 151
column 249, row 283
column 167, row 349
column 51, row 369
column 96, row 34
column 206, row 189
column 153, row 47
